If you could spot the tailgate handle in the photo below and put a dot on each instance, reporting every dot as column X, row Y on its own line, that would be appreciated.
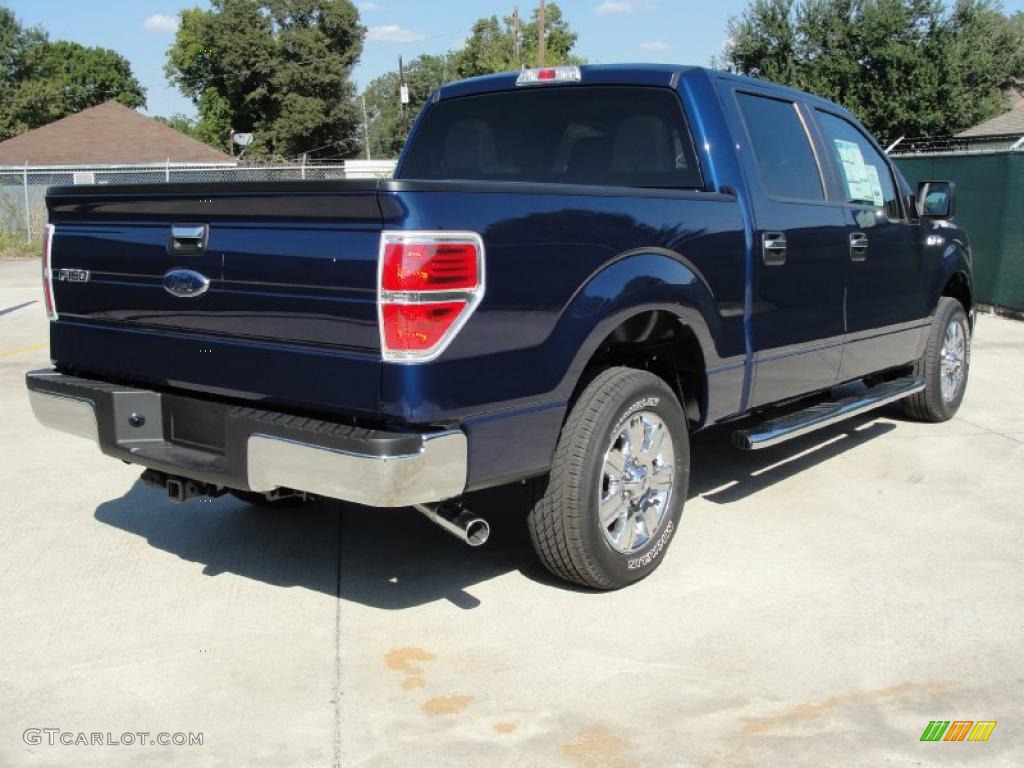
column 188, row 238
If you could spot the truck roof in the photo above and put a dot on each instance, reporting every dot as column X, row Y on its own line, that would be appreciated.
column 663, row 75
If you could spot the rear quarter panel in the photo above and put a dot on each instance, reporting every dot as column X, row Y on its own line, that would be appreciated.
column 563, row 269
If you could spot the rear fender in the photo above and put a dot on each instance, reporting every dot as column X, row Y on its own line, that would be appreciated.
column 636, row 282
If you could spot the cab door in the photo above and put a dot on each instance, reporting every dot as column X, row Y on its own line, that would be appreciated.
column 886, row 309
column 801, row 248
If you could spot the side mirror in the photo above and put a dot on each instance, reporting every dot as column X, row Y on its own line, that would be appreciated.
column 936, row 199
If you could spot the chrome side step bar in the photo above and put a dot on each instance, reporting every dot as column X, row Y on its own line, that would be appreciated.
column 783, row 428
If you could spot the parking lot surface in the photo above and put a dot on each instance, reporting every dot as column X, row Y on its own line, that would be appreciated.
column 823, row 602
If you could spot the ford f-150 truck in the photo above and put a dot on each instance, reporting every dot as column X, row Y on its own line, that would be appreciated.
column 572, row 270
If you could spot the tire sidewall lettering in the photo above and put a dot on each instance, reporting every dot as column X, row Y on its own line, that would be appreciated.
column 654, row 552
column 639, row 405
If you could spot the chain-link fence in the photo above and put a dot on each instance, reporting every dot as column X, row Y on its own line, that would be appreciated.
column 23, row 190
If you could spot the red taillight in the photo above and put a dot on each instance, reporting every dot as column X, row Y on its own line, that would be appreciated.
column 412, row 266
column 51, row 307
column 418, row 327
column 429, row 285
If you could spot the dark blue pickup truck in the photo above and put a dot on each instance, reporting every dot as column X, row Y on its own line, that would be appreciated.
column 572, row 271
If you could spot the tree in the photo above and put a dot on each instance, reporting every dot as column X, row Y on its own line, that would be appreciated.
column 179, row 122
column 904, row 67
column 388, row 121
column 280, row 69
column 42, row 80
column 491, row 47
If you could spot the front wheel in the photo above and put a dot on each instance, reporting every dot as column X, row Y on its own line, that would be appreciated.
column 944, row 365
column 613, row 499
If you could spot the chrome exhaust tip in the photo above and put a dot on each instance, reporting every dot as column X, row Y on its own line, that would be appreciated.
column 459, row 522
column 477, row 531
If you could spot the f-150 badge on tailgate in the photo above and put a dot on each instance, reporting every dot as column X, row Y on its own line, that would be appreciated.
column 185, row 283
column 73, row 275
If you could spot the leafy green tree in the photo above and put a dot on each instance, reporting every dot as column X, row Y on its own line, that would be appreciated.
column 986, row 61
column 388, row 121
column 280, row 69
column 491, row 47
column 905, row 67
column 179, row 122
column 43, row 80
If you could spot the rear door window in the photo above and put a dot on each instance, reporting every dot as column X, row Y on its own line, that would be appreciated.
column 597, row 135
column 782, row 149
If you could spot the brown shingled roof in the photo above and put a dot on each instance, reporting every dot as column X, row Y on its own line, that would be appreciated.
column 107, row 134
column 1007, row 124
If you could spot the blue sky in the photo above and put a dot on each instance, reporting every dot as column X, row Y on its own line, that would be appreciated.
column 675, row 31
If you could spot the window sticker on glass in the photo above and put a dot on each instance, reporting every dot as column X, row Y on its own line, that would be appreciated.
column 862, row 182
column 875, row 185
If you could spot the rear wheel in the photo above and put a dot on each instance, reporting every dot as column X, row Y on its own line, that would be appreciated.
column 613, row 499
column 944, row 365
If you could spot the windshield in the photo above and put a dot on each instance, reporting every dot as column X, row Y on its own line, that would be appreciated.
column 598, row 135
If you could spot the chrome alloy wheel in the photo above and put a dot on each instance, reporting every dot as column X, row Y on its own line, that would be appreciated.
column 636, row 482
column 953, row 360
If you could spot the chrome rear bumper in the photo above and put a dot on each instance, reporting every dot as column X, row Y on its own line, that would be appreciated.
column 253, row 449
column 436, row 472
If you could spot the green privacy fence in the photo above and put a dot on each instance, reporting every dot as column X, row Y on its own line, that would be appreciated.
column 990, row 207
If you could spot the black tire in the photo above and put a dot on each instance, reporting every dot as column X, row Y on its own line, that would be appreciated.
column 929, row 404
column 260, row 500
column 564, row 524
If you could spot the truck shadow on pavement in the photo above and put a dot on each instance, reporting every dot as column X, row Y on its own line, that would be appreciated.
column 395, row 558
column 722, row 473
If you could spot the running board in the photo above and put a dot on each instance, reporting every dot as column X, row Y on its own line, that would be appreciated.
column 783, row 428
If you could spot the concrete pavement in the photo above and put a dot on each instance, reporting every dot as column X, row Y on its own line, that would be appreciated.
column 824, row 600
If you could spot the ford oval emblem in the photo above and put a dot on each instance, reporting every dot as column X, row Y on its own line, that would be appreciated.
column 186, row 283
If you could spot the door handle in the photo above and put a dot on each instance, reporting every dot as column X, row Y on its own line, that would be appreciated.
column 187, row 238
column 773, row 247
column 858, row 246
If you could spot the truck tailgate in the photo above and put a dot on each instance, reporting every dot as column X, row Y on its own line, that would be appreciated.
column 289, row 314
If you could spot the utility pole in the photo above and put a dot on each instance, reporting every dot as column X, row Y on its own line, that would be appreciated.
column 366, row 130
column 402, row 93
column 515, row 37
column 540, row 35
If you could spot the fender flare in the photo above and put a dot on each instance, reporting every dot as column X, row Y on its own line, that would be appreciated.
column 633, row 283
column 955, row 260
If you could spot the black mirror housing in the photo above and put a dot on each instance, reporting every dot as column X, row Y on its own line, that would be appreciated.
column 936, row 199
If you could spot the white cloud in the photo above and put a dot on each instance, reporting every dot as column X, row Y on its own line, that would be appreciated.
column 161, row 23
column 370, row 6
column 623, row 6
column 392, row 33
column 655, row 45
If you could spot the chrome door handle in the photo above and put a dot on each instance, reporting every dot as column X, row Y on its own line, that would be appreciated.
column 773, row 248
column 858, row 246
column 187, row 238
